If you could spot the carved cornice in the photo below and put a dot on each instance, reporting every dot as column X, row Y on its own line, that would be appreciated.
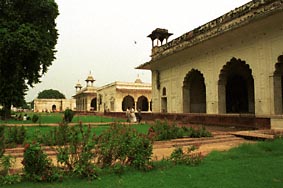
column 234, row 19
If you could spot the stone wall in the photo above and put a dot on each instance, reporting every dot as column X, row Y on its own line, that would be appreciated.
column 239, row 121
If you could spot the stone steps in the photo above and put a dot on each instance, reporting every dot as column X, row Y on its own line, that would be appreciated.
column 257, row 135
column 195, row 141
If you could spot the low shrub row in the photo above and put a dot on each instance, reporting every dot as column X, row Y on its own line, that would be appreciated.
column 83, row 154
column 165, row 131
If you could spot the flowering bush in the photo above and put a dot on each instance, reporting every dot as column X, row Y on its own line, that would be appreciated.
column 122, row 145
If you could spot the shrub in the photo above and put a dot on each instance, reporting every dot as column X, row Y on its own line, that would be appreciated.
column 197, row 133
column 16, row 135
column 178, row 156
column 10, row 179
column 6, row 162
column 61, row 134
column 123, row 145
column 34, row 118
column 164, row 131
column 75, row 153
column 37, row 166
column 68, row 115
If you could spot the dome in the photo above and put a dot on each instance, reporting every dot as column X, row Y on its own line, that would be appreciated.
column 138, row 81
column 90, row 78
column 78, row 85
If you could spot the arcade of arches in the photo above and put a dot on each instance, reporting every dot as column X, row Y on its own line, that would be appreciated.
column 235, row 89
column 142, row 103
column 235, row 84
column 231, row 65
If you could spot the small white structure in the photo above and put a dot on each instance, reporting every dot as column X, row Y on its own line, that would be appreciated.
column 53, row 105
column 114, row 97
column 118, row 96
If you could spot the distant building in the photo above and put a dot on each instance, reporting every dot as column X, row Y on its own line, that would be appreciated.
column 53, row 105
column 114, row 97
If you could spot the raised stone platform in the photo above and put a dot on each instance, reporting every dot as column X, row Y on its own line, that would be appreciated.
column 276, row 122
column 244, row 121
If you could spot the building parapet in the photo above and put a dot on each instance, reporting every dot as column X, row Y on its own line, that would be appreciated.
column 234, row 19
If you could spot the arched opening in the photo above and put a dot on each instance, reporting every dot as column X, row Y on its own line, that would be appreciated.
column 236, row 88
column 128, row 102
column 142, row 103
column 93, row 104
column 194, row 93
column 53, row 108
column 164, row 91
column 278, row 86
column 236, row 95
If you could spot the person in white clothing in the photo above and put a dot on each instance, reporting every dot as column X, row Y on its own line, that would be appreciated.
column 133, row 118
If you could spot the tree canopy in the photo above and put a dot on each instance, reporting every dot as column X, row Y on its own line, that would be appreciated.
column 28, row 36
column 50, row 94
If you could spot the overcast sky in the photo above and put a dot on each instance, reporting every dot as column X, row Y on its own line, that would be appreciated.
column 109, row 38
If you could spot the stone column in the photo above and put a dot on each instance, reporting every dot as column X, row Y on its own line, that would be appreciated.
column 277, row 94
column 221, row 98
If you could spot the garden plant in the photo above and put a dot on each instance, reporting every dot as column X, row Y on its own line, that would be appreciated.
column 82, row 153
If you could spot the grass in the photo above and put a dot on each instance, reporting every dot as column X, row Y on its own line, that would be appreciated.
column 35, row 131
column 48, row 118
column 248, row 166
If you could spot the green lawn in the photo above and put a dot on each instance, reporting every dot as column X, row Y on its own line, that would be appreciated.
column 249, row 166
column 46, row 118
column 95, row 129
column 33, row 132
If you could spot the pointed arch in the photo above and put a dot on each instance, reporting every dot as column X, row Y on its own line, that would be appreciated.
column 93, row 104
column 142, row 103
column 236, row 88
column 128, row 102
column 194, row 92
